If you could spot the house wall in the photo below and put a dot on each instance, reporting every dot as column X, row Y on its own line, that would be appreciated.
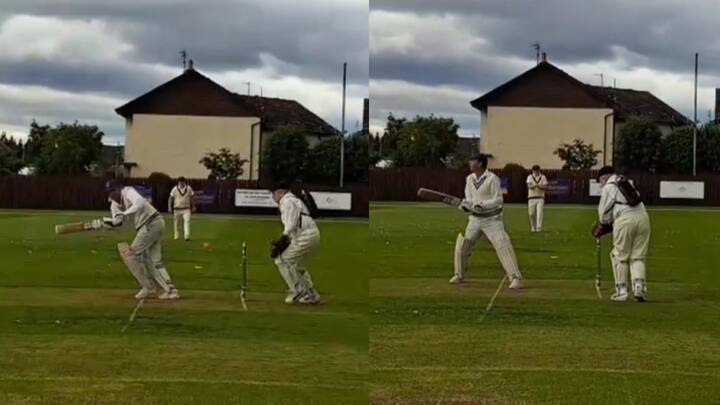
column 530, row 135
column 173, row 144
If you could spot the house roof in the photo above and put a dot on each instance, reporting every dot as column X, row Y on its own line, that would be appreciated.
column 635, row 103
column 277, row 112
column 192, row 93
column 546, row 85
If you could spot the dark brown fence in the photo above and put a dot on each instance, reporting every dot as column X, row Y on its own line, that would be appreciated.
column 88, row 193
column 402, row 185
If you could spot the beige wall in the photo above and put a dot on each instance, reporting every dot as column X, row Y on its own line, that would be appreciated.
column 529, row 135
column 173, row 144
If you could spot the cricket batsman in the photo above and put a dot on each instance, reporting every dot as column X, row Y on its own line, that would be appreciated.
column 536, row 184
column 484, row 202
column 622, row 212
column 144, row 256
column 300, row 238
column 181, row 206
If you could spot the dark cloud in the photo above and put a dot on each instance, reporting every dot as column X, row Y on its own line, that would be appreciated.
column 125, row 80
column 263, row 41
column 666, row 32
column 620, row 38
column 312, row 37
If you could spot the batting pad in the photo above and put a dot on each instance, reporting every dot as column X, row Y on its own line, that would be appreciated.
column 463, row 249
column 620, row 271
column 134, row 265
column 162, row 278
column 506, row 255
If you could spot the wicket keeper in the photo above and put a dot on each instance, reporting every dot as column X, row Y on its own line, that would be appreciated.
column 536, row 184
column 484, row 202
column 181, row 207
column 622, row 212
column 299, row 239
column 144, row 256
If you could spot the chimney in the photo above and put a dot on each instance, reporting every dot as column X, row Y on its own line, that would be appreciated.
column 366, row 116
column 717, row 105
column 543, row 58
column 190, row 65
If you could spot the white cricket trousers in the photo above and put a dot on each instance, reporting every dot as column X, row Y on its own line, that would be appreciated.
column 291, row 263
column 182, row 216
column 631, row 238
column 494, row 230
column 147, row 248
column 535, row 211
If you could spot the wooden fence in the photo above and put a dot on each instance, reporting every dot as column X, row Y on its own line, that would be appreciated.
column 88, row 193
column 402, row 185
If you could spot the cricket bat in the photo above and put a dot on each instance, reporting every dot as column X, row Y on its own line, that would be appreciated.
column 74, row 227
column 432, row 195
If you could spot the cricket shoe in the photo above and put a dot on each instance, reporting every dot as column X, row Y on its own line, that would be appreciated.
column 516, row 284
column 310, row 298
column 170, row 295
column 293, row 297
column 144, row 293
column 639, row 290
column 456, row 279
column 621, row 294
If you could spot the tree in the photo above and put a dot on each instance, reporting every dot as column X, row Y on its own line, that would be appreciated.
column 67, row 149
column 389, row 142
column 287, row 153
column 709, row 148
column 425, row 142
column 224, row 165
column 9, row 163
column 577, row 155
column 677, row 151
column 639, row 146
column 357, row 157
column 323, row 160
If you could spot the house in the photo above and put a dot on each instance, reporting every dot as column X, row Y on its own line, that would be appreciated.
column 170, row 128
column 525, row 120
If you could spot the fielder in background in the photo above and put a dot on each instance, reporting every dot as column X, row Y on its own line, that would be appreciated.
column 144, row 256
column 537, row 184
column 181, row 206
column 622, row 212
column 484, row 202
column 300, row 238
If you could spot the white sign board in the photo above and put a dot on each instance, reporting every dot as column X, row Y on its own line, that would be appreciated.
column 263, row 199
column 694, row 190
column 332, row 201
column 245, row 197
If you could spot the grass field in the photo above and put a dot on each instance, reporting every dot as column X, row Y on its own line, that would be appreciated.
column 553, row 342
column 65, row 300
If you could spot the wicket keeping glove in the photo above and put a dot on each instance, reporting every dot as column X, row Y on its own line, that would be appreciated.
column 277, row 247
column 600, row 230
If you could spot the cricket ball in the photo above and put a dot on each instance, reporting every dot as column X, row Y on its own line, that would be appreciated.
column 206, row 246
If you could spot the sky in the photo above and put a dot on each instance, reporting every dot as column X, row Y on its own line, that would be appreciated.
column 434, row 57
column 78, row 60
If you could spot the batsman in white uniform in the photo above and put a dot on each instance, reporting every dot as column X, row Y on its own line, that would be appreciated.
column 484, row 201
column 181, row 206
column 536, row 184
column 144, row 256
column 630, row 226
column 304, row 236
